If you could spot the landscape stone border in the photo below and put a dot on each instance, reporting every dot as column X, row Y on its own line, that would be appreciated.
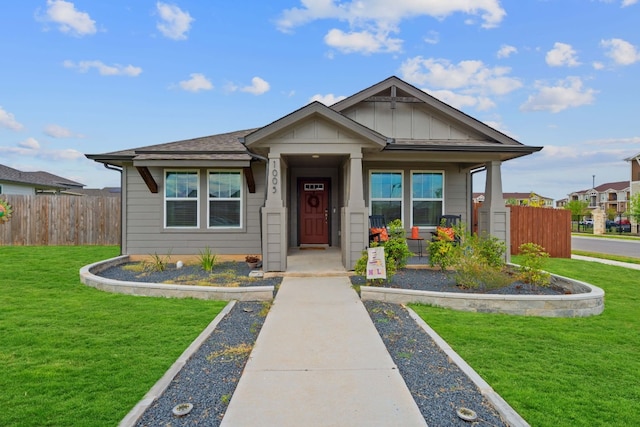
column 588, row 300
column 89, row 277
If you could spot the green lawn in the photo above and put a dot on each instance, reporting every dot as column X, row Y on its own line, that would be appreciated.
column 559, row 372
column 75, row 356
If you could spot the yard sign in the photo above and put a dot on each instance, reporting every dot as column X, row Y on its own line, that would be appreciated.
column 376, row 268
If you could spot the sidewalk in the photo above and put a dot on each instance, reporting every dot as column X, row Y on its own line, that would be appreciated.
column 607, row 261
column 319, row 361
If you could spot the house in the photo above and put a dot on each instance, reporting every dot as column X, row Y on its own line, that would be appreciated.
column 520, row 199
column 611, row 196
column 13, row 181
column 634, row 181
column 313, row 177
column 560, row 204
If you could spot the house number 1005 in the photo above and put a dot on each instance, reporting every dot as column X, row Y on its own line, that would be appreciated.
column 274, row 180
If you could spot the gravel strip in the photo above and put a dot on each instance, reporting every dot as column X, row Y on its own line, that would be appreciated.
column 211, row 375
column 438, row 386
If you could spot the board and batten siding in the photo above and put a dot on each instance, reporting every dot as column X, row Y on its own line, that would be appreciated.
column 145, row 233
column 407, row 120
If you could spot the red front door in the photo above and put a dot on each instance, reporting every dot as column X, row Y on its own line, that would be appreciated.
column 313, row 209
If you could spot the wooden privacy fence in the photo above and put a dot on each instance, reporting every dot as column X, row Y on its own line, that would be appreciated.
column 549, row 228
column 49, row 220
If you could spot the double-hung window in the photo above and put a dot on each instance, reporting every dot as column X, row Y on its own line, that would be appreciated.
column 181, row 198
column 386, row 194
column 427, row 197
column 225, row 198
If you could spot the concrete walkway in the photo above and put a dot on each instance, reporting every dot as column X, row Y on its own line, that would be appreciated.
column 319, row 361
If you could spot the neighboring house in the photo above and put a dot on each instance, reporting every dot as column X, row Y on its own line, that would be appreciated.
column 611, row 195
column 520, row 199
column 634, row 179
column 313, row 177
column 100, row 192
column 560, row 204
column 13, row 181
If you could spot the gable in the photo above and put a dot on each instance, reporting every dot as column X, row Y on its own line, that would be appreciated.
column 409, row 120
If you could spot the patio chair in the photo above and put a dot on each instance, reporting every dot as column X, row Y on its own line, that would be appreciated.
column 377, row 229
column 446, row 225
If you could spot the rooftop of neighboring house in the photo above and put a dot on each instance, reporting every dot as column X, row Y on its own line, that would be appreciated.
column 517, row 196
column 608, row 186
column 40, row 180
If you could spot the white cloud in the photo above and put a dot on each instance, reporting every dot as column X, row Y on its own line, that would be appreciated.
column 69, row 19
column 432, row 38
column 29, row 144
column 374, row 20
column 57, row 131
column 621, row 51
column 362, row 41
column 103, row 69
column 8, row 120
column 196, row 83
column 258, row 86
column 506, row 51
column 175, row 22
column 567, row 93
column 473, row 81
column 66, row 154
column 460, row 101
column 562, row 54
column 328, row 99
column 626, row 3
column 597, row 65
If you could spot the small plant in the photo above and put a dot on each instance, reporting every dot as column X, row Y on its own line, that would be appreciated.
column 442, row 251
column 225, row 399
column 159, row 262
column 207, row 259
column 533, row 259
column 231, row 353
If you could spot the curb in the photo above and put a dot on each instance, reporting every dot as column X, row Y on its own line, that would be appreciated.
column 161, row 385
column 509, row 415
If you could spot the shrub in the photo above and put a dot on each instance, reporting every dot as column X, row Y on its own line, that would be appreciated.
column 159, row 262
column 207, row 259
column 533, row 258
column 396, row 253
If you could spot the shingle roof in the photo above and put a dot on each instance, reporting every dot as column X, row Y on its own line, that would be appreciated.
column 225, row 146
column 38, row 179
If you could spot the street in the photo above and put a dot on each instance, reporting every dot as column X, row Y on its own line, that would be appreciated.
column 630, row 248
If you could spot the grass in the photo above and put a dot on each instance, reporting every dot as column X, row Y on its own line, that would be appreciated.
column 75, row 356
column 558, row 371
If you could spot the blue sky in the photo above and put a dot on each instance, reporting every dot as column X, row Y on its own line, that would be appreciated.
column 82, row 76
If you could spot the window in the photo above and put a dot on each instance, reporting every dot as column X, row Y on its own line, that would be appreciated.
column 225, row 199
column 386, row 194
column 181, row 198
column 427, row 198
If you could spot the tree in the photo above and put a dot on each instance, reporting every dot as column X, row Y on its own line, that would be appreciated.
column 578, row 209
column 611, row 214
column 634, row 207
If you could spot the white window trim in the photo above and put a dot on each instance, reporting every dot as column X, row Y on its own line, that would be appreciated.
column 242, row 196
column 197, row 200
column 412, row 199
column 402, row 190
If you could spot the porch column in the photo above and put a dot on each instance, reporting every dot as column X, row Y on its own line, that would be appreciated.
column 494, row 217
column 355, row 216
column 356, row 187
column 274, row 219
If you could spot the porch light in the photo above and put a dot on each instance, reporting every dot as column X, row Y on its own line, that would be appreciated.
column 315, row 156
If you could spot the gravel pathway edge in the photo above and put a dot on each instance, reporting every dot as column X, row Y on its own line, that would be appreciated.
column 161, row 385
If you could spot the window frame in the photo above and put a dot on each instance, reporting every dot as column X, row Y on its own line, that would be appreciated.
column 427, row 199
column 167, row 199
column 378, row 199
column 240, row 199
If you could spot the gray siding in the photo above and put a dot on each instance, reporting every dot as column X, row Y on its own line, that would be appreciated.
column 146, row 234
